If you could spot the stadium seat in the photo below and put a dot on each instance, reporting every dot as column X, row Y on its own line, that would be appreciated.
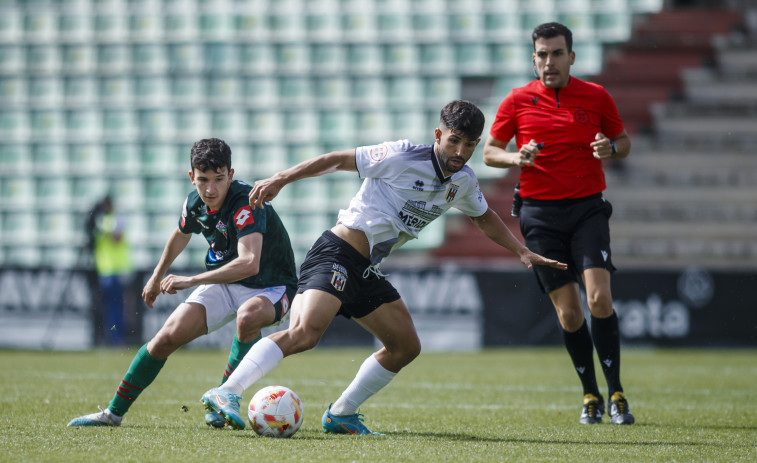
column 40, row 25
column 193, row 124
column 224, row 89
column 215, row 25
column 337, row 127
column 266, row 125
column 430, row 26
column 12, row 59
column 15, row 125
column 301, row 126
column 261, row 91
column 365, row 59
column 113, row 59
column 48, row 124
column 46, row 91
column 328, row 58
column 84, row 125
column 156, row 124
column 323, row 26
column 437, row 58
column 14, row 91
column 394, row 27
column 186, row 57
column 179, row 25
column 401, row 58
column 18, row 191
column 466, row 25
column 79, row 59
column 111, row 27
column 295, row 91
column 155, row 90
column 332, row 92
column 222, row 58
column 81, row 91
column 43, row 59
column 187, row 90
column 11, row 26
column 229, row 124
column 85, row 159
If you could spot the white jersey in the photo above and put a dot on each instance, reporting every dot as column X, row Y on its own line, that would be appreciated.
column 403, row 190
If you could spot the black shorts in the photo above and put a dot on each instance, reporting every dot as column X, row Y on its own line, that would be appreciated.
column 574, row 231
column 333, row 266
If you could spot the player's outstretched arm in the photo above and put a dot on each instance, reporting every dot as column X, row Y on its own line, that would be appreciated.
column 492, row 226
column 246, row 264
column 267, row 189
column 175, row 245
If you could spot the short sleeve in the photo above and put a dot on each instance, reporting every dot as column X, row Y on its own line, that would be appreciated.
column 504, row 126
column 379, row 161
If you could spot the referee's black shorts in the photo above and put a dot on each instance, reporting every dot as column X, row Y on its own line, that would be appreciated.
column 332, row 265
column 574, row 231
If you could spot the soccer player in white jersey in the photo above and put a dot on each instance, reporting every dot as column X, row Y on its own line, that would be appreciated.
column 405, row 187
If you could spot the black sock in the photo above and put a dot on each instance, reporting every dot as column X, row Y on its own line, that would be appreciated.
column 606, row 336
column 581, row 351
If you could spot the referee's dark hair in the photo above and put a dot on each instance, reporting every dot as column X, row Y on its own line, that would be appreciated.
column 463, row 116
column 210, row 153
column 552, row 30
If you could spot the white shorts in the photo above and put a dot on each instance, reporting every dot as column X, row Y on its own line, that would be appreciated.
column 221, row 301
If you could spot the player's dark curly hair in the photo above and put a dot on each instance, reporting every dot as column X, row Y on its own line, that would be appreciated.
column 463, row 116
column 552, row 30
column 210, row 154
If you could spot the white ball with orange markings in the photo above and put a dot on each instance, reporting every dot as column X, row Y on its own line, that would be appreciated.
column 275, row 411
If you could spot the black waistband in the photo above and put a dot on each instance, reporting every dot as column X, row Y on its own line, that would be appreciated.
column 347, row 247
column 560, row 202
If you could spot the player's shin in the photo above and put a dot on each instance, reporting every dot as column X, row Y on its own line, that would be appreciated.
column 262, row 358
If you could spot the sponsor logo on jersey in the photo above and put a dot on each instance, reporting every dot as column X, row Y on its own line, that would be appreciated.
column 378, row 152
column 221, row 227
column 215, row 256
column 418, row 185
column 284, row 305
column 451, row 192
column 581, row 116
column 415, row 215
column 243, row 217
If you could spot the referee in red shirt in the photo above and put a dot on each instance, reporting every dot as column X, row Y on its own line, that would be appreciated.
column 564, row 128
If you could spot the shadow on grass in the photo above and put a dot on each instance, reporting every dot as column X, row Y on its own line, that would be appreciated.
column 518, row 440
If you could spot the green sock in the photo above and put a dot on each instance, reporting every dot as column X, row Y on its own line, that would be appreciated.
column 238, row 350
column 142, row 371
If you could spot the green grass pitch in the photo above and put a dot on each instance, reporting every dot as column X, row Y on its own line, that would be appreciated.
column 519, row 404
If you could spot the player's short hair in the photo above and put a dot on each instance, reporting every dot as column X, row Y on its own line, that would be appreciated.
column 552, row 30
column 464, row 117
column 210, row 154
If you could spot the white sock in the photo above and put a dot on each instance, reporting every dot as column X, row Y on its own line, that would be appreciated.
column 261, row 359
column 370, row 378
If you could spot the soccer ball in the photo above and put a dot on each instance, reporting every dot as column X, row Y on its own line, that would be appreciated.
column 275, row 411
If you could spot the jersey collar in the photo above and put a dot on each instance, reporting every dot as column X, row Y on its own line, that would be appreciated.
column 437, row 167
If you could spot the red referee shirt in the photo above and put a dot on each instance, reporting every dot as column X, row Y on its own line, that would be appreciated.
column 566, row 120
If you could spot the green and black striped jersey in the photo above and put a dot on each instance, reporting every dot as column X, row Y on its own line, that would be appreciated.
column 235, row 219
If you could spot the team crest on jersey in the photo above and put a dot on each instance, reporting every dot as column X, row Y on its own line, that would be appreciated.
column 338, row 281
column 243, row 217
column 581, row 116
column 452, row 192
column 378, row 153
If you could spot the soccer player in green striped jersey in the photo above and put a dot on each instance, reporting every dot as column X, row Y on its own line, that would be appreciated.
column 249, row 277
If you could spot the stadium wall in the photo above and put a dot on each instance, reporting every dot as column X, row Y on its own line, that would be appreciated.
column 453, row 308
